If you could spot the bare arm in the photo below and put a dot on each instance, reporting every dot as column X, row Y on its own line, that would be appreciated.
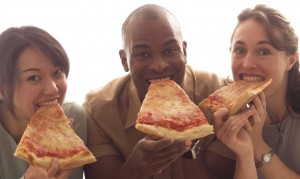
column 261, row 147
column 234, row 132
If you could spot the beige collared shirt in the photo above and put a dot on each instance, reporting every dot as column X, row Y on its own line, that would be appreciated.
column 112, row 112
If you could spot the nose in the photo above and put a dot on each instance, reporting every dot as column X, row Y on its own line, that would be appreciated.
column 249, row 61
column 50, row 87
column 159, row 65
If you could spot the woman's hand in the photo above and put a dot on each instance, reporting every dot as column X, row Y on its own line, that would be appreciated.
column 53, row 173
column 233, row 131
column 258, row 107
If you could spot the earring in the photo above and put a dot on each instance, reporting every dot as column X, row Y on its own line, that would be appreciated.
column 126, row 68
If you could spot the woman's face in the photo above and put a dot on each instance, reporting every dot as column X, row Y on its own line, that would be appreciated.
column 254, row 58
column 37, row 82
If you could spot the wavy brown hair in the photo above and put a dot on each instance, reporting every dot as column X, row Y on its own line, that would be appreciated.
column 287, row 41
column 13, row 42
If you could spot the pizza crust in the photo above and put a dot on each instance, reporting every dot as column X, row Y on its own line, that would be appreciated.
column 25, row 154
column 77, row 160
column 189, row 134
column 234, row 96
column 74, row 161
column 49, row 136
column 167, row 111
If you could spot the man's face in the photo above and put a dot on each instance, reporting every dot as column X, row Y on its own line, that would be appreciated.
column 154, row 51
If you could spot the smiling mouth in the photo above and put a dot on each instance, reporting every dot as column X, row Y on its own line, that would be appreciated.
column 252, row 78
column 155, row 80
column 47, row 103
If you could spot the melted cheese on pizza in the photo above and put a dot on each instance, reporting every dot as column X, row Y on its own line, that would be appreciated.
column 168, row 106
column 48, row 133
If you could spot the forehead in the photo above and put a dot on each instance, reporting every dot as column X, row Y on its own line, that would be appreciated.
column 158, row 28
column 32, row 57
column 250, row 30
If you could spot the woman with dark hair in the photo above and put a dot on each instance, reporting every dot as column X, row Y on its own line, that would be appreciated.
column 265, row 46
column 33, row 72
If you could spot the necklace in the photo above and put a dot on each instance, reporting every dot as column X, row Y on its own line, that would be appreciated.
column 279, row 134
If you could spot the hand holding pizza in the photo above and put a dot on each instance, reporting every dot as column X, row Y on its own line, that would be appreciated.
column 233, row 130
column 53, row 172
column 49, row 135
column 152, row 155
column 258, row 106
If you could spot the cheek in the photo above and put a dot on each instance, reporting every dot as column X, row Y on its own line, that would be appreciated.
column 62, row 86
column 137, row 68
column 25, row 93
column 234, row 67
column 24, row 104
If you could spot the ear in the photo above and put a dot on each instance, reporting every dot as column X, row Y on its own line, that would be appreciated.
column 184, row 45
column 292, row 60
column 123, row 58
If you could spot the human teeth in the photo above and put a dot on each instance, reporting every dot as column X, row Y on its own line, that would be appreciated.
column 159, row 79
column 48, row 102
column 253, row 78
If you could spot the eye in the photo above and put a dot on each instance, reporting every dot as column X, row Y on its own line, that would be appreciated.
column 170, row 51
column 59, row 72
column 33, row 78
column 141, row 55
column 239, row 50
column 264, row 52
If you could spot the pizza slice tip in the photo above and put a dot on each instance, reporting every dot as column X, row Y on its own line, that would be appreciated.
column 167, row 112
column 48, row 136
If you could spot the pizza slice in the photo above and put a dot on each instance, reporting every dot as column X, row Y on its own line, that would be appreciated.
column 49, row 135
column 167, row 112
column 233, row 96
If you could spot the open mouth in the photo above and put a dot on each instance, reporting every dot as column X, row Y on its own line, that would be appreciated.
column 47, row 103
column 252, row 78
column 155, row 80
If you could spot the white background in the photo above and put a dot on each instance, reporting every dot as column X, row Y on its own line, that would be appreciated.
column 90, row 31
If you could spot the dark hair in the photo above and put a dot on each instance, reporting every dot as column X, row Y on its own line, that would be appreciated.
column 287, row 41
column 13, row 42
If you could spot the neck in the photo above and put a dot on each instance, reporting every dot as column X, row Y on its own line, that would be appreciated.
column 277, row 107
column 277, row 112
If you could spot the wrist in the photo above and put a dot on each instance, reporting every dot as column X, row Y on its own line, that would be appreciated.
column 193, row 152
column 245, row 155
column 265, row 158
column 260, row 150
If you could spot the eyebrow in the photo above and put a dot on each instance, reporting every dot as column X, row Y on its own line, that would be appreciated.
column 263, row 42
column 259, row 43
column 169, row 42
column 30, row 69
column 140, row 46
